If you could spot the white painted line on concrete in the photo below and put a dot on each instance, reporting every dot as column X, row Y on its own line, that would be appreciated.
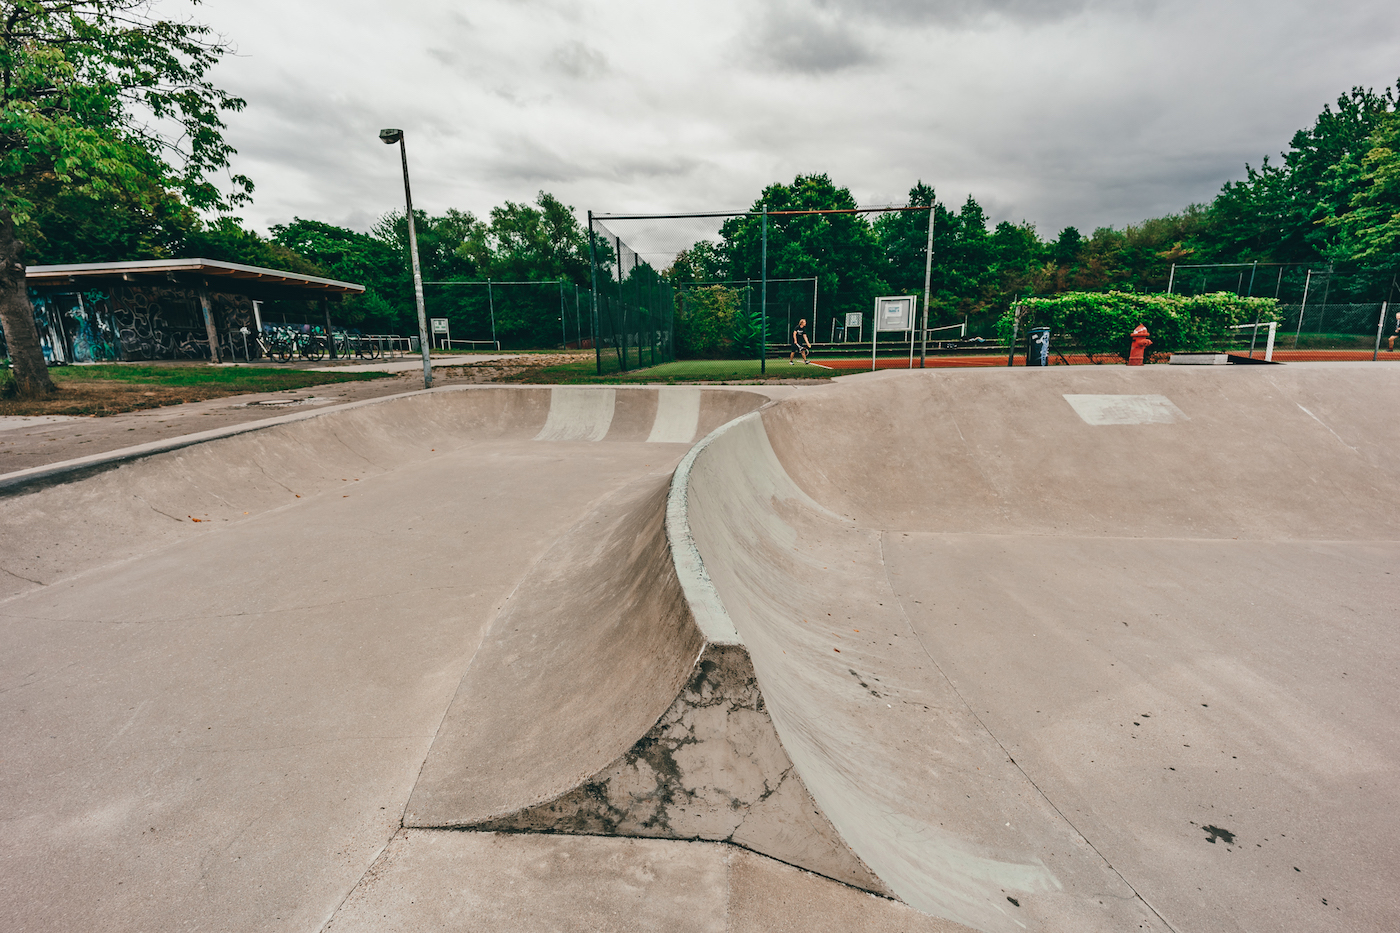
column 578, row 414
column 1126, row 409
column 677, row 416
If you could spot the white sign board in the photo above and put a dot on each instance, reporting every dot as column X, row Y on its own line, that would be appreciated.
column 439, row 325
column 894, row 313
column 854, row 320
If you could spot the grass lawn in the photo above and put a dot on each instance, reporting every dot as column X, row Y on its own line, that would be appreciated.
column 109, row 389
column 585, row 372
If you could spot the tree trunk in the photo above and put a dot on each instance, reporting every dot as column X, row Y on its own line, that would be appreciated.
column 17, row 317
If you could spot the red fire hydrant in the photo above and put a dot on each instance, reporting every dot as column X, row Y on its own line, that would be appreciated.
column 1140, row 345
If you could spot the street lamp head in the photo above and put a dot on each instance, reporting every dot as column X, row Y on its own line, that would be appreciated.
column 389, row 137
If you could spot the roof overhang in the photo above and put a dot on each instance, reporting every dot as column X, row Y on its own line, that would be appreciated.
column 213, row 274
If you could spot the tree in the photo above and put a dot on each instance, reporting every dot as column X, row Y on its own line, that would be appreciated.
column 1366, row 215
column 1278, row 212
column 106, row 99
column 839, row 249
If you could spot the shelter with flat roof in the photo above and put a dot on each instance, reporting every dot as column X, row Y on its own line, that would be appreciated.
column 163, row 309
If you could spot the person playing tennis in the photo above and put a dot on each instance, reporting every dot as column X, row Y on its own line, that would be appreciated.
column 800, row 343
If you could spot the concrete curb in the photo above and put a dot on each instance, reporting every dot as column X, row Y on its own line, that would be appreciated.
column 65, row 470
column 705, row 604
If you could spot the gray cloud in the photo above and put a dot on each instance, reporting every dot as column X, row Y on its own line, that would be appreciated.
column 1075, row 112
column 957, row 12
column 798, row 38
column 577, row 60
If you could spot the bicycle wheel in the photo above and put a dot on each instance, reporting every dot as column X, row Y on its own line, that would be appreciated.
column 283, row 351
column 313, row 350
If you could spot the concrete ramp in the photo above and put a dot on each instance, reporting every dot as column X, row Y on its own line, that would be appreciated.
column 596, row 705
column 1081, row 649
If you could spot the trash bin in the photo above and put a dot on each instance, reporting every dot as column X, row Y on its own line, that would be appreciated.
column 1038, row 352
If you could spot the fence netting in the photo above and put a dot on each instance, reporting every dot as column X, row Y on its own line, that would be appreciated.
column 1326, row 312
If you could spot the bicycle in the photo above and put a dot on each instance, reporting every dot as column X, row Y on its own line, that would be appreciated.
column 365, row 348
column 310, row 346
column 275, row 344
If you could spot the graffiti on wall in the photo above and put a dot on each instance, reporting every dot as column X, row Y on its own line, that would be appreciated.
column 139, row 322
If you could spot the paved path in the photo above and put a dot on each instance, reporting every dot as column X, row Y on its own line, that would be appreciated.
column 412, row 364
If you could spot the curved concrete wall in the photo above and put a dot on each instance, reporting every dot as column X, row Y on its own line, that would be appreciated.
column 63, row 518
column 792, row 512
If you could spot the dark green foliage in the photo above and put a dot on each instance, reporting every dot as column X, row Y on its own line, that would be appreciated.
column 705, row 322
column 1279, row 212
column 840, row 249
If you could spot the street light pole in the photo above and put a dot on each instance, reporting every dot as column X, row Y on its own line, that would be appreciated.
column 389, row 137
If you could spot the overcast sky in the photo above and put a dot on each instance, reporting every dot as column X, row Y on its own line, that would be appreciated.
column 1059, row 112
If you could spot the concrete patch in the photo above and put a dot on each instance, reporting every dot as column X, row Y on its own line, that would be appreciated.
column 578, row 414
column 677, row 416
column 1126, row 409
column 712, row 768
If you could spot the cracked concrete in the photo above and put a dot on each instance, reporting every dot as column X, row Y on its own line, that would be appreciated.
column 711, row 768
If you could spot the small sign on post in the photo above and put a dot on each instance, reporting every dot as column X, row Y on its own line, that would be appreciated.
column 853, row 319
column 440, row 327
column 892, row 313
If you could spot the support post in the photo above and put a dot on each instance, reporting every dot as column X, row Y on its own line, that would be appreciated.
column 209, row 329
column 928, row 274
column 593, row 274
column 417, row 273
column 1380, row 327
column 563, row 329
column 1015, row 326
column 1307, row 284
column 491, row 305
column 763, row 304
column 1171, row 279
column 620, row 339
column 874, row 335
column 330, row 334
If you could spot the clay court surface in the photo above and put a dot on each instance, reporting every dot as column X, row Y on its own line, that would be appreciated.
column 1080, row 648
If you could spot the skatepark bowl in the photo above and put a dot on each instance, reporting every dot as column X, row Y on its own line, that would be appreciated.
column 1073, row 649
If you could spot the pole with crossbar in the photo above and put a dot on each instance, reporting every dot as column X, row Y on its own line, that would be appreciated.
column 763, row 305
column 928, row 275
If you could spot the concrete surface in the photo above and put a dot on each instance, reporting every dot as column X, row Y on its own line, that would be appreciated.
column 444, row 880
column 1088, row 648
column 1130, row 671
column 216, row 724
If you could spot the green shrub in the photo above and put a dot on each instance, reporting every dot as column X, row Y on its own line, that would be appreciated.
column 705, row 322
column 8, row 388
column 1101, row 324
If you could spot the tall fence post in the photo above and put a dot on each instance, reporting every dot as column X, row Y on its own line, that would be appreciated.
column 593, row 273
column 928, row 274
column 1015, row 326
column 1380, row 327
column 491, row 304
column 1307, row 284
column 763, row 304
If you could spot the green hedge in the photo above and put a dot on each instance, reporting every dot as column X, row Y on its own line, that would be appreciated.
column 1101, row 323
